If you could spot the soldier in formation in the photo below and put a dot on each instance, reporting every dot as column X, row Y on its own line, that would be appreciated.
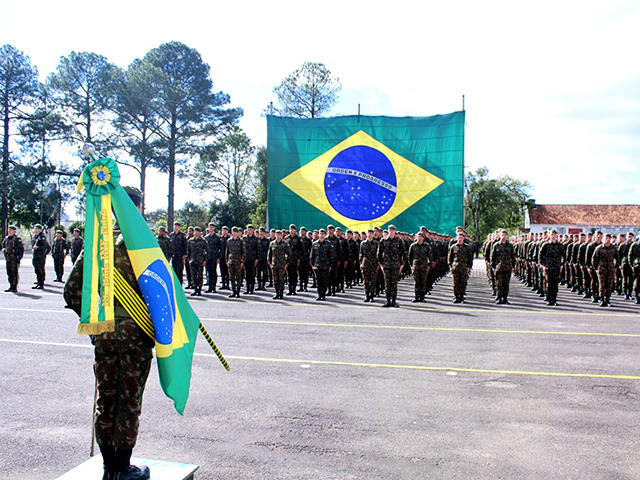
column 197, row 254
column 235, row 257
column 605, row 263
column 392, row 256
column 178, row 250
column 419, row 257
column 59, row 251
column 213, row 257
column 460, row 259
column 41, row 249
column 369, row 266
column 164, row 242
column 322, row 259
column 278, row 258
column 77, row 244
column 13, row 252
column 502, row 261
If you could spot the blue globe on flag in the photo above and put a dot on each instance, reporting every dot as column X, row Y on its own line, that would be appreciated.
column 361, row 183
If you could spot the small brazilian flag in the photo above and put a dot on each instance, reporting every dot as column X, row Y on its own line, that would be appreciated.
column 174, row 323
column 363, row 171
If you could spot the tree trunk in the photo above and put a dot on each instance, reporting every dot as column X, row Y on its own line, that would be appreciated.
column 172, row 169
column 4, row 208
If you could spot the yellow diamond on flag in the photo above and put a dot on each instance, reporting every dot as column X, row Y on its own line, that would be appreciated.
column 361, row 183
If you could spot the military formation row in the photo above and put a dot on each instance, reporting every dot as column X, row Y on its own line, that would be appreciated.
column 331, row 258
column 591, row 264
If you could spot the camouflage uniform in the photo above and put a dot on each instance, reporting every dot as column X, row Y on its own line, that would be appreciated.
column 625, row 267
column 250, row 261
column 164, row 241
column 460, row 259
column 263, row 266
column 213, row 257
column 41, row 249
column 234, row 259
column 303, row 270
column 278, row 256
column 369, row 266
column 322, row 258
column 352, row 260
column 552, row 258
column 224, row 268
column 197, row 253
column 391, row 256
column 13, row 252
column 59, row 251
column 333, row 273
column 122, row 361
column 633, row 258
column 179, row 250
column 420, row 256
column 295, row 249
column 605, row 261
column 77, row 244
column 590, row 250
column 503, row 259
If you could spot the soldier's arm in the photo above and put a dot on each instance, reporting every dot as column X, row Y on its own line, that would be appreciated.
column 73, row 287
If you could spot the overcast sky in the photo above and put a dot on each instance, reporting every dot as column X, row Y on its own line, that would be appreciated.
column 552, row 88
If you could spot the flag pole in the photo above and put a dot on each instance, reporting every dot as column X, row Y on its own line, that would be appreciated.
column 214, row 347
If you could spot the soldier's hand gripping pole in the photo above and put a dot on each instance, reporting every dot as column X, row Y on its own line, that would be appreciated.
column 213, row 346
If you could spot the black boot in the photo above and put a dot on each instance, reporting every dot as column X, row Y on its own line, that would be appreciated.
column 498, row 301
column 416, row 299
column 595, row 298
column 603, row 302
column 637, row 299
column 194, row 293
column 388, row 304
column 422, row 298
column 126, row 471
column 108, row 460
column 608, row 300
column 505, row 301
column 233, row 293
column 393, row 302
column 199, row 291
column 368, row 299
column 457, row 299
column 277, row 297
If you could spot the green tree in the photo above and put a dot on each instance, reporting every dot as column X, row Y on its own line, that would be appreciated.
column 309, row 92
column 33, row 196
column 138, row 123
column 18, row 84
column 191, row 112
column 236, row 210
column 193, row 215
column 84, row 84
column 493, row 203
column 227, row 166
column 259, row 216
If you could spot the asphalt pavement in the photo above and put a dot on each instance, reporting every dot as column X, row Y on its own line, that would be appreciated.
column 347, row 390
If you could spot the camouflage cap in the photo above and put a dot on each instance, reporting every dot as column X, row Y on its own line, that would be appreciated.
column 607, row 235
column 582, row 234
column 60, row 232
column 553, row 230
column 37, row 225
column 598, row 232
column 589, row 234
column 322, row 230
column 278, row 232
column 349, row 231
column 292, row 226
column 250, row 226
column 235, row 229
column 78, row 230
column 421, row 234
column 224, row 227
column 329, row 227
column 12, row 227
column 190, row 228
column 211, row 224
column 273, row 230
column 162, row 229
column 338, row 229
column 391, row 227
column 177, row 223
column 197, row 229
column 315, row 230
column 135, row 194
column 303, row 228
column 262, row 229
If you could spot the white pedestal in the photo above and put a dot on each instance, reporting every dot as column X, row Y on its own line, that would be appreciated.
column 160, row 470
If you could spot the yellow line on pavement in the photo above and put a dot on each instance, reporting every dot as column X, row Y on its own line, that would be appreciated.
column 360, row 364
column 420, row 367
column 431, row 329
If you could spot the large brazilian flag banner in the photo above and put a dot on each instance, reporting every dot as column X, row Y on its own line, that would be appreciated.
column 364, row 171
